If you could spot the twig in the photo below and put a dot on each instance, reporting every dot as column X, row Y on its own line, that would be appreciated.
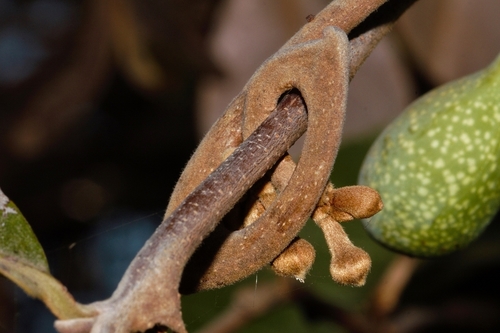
column 148, row 295
column 166, row 252
column 229, row 182
column 390, row 287
column 219, row 273
column 368, row 34
column 249, row 303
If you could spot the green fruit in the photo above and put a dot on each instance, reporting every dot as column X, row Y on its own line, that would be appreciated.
column 436, row 168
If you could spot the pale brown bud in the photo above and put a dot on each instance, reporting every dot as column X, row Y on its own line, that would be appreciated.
column 296, row 260
column 350, row 265
column 357, row 201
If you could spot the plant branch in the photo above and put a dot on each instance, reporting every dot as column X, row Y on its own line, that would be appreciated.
column 390, row 287
column 222, row 252
column 165, row 253
column 148, row 293
column 250, row 303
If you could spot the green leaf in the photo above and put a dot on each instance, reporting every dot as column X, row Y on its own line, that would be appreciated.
column 23, row 261
column 17, row 238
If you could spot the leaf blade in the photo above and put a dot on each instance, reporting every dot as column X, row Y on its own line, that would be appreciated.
column 17, row 238
column 23, row 261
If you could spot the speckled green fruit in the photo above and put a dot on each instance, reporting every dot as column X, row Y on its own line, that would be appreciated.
column 436, row 168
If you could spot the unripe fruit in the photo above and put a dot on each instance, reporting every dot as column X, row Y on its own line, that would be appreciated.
column 436, row 168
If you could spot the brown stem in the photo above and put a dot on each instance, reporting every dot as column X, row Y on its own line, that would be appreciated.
column 164, row 255
column 368, row 34
column 250, row 303
column 227, row 184
column 390, row 287
column 148, row 295
column 223, row 259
